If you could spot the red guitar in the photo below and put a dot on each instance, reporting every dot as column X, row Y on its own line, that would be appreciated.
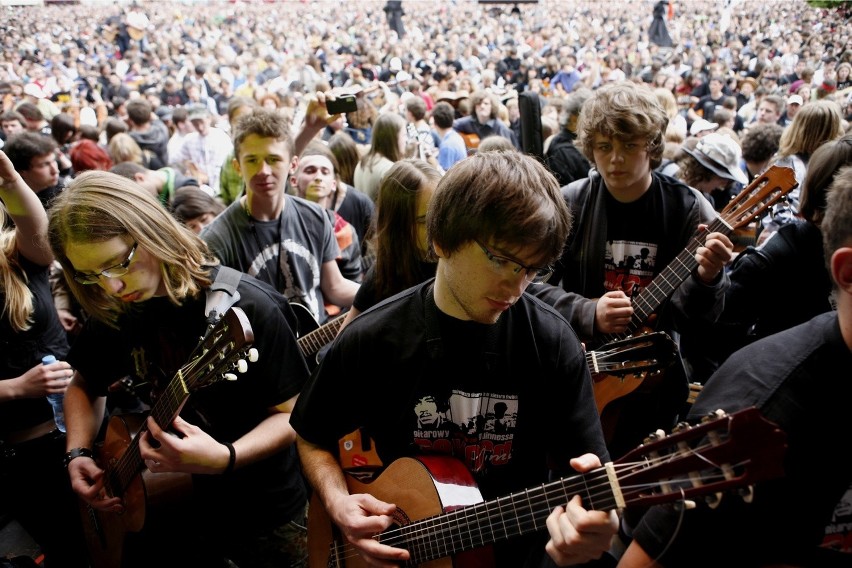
column 761, row 194
column 442, row 520
column 222, row 351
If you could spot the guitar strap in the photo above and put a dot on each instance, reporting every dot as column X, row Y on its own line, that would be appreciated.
column 433, row 334
column 222, row 294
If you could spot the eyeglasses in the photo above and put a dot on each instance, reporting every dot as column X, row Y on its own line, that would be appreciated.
column 116, row 271
column 500, row 265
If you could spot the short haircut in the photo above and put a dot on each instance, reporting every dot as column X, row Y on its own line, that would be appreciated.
column 417, row 107
column 24, row 146
column 837, row 223
column 317, row 148
column 11, row 115
column 266, row 124
column 139, row 111
column 508, row 199
column 30, row 111
column 624, row 111
column 776, row 101
column 760, row 141
column 129, row 169
column 443, row 114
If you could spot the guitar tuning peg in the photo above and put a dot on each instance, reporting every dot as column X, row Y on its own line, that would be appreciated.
column 715, row 415
column 253, row 355
column 713, row 500
column 230, row 377
column 242, row 366
column 658, row 435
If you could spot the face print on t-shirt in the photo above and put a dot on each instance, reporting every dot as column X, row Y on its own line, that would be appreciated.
column 629, row 266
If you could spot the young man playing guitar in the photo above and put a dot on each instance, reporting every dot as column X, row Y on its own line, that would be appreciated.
column 621, row 209
column 444, row 360
column 144, row 280
column 799, row 379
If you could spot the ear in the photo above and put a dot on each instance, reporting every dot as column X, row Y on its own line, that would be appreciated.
column 439, row 252
column 294, row 164
column 236, row 165
column 841, row 268
column 139, row 178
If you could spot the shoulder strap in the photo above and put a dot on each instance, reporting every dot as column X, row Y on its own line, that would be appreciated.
column 222, row 294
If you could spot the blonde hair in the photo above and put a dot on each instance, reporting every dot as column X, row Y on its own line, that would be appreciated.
column 18, row 306
column 817, row 123
column 98, row 206
column 123, row 148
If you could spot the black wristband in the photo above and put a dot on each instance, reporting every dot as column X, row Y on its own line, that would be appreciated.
column 77, row 453
column 232, row 458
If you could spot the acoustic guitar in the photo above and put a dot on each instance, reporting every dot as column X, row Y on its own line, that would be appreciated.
column 471, row 142
column 442, row 520
column 752, row 202
column 220, row 353
column 312, row 336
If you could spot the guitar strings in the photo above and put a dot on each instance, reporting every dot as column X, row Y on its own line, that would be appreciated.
column 437, row 532
column 126, row 467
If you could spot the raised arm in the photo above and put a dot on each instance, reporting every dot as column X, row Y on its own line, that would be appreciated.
column 27, row 212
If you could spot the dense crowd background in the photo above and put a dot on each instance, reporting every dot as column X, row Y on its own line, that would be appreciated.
column 72, row 59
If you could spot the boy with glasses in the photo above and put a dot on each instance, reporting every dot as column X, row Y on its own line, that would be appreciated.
column 623, row 207
column 475, row 345
column 143, row 279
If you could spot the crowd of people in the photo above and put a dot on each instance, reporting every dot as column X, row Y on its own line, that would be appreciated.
column 510, row 186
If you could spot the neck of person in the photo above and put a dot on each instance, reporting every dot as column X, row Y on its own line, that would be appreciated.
column 633, row 193
column 263, row 208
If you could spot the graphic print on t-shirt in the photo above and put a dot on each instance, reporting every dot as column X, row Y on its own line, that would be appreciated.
column 477, row 428
column 629, row 266
column 267, row 265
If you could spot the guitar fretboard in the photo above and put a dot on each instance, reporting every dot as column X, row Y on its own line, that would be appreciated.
column 514, row 515
column 667, row 281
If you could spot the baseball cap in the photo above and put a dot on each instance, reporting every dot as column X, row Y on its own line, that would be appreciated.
column 721, row 155
column 196, row 112
column 702, row 125
column 795, row 100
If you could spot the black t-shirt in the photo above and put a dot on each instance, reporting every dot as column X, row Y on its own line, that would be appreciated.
column 155, row 341
column 512, row 401
column 23, row 350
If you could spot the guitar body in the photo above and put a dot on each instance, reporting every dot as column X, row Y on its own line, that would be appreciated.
column 471, row 142
column 420, row 488
column 146, row 495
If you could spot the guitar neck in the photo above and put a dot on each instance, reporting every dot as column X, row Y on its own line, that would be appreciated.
column 488, row 522
column 164, row 411
column 666, row 282
column 312, row 342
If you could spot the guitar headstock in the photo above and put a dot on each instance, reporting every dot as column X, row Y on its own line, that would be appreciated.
column 224, row 349
column 641, row 353
column 762, row 193
column 723, row 452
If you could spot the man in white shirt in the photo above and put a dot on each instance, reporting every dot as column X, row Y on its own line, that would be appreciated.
column 205, row 150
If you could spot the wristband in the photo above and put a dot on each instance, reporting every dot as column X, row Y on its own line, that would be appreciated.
column 77, row 453
column 232, row 458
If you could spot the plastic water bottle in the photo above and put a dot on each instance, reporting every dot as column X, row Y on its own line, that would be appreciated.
column 55, row 400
